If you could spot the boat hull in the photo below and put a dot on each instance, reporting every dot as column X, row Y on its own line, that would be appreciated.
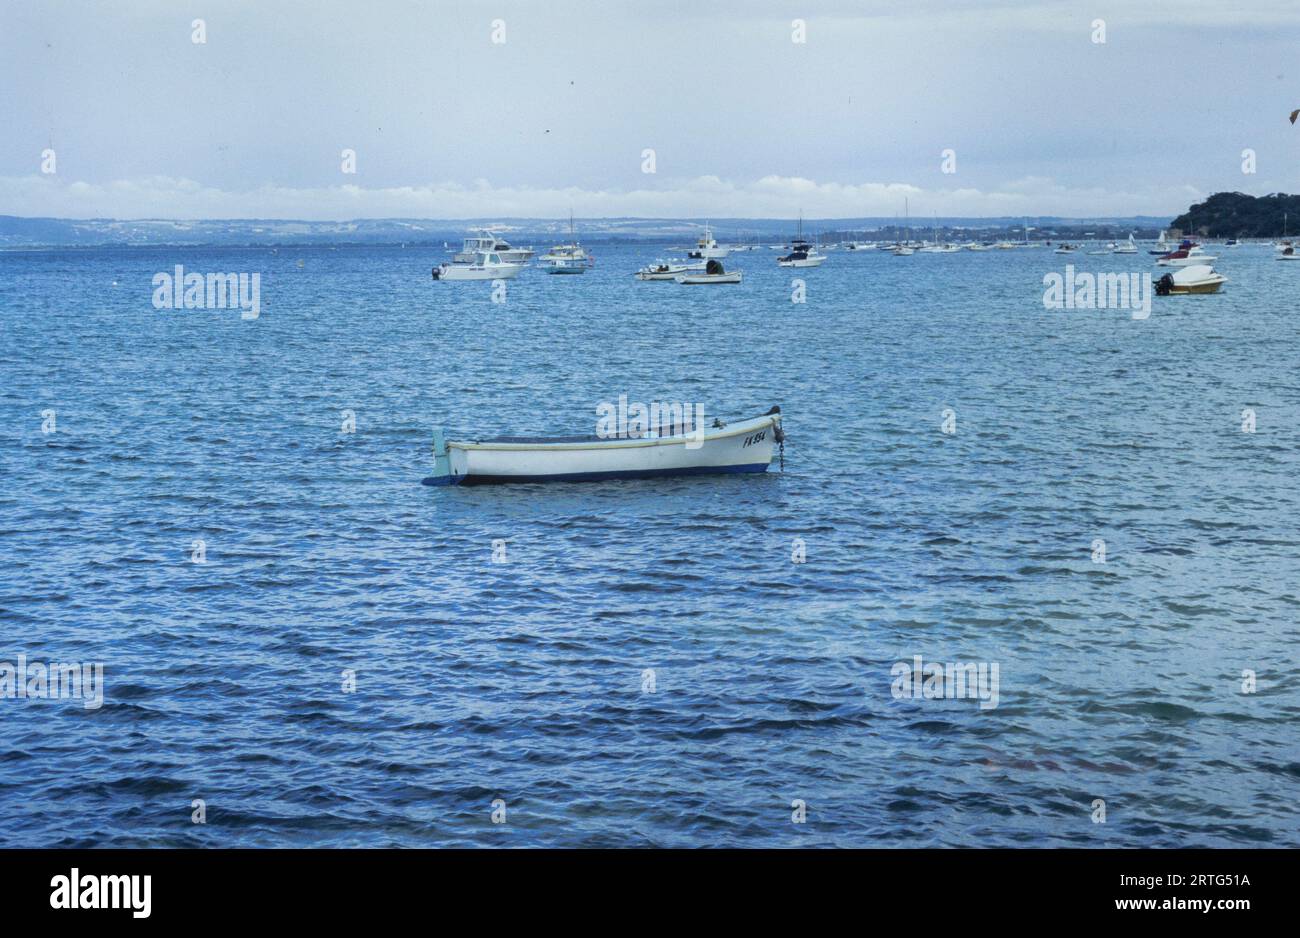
column 706, row 279
column 744, row 447
column 475, row 272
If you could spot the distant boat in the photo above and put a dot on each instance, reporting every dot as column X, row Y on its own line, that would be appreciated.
column 1162, row 245
column 802, row 253
column 1108, row 249
column 1005, row 245
column 485, row 266
column 1198, row 278
column 569, row 258
column 1186, row 255
column 1288, row 253
column 707, row 246
column 1130, row 247
column 713, row 273
column 1065, row 249
column 743, row 446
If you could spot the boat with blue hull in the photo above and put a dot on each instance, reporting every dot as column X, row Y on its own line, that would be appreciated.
column 741, row 446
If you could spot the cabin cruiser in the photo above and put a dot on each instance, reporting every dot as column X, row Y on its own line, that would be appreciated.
column 1186, row 255
column 488, row 242
column 802, row 254
column 485, row 266
column 575, row 261
column 1197, row 278
column 707, row 247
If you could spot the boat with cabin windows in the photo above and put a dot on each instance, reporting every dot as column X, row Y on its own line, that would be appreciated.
column 484, row 266
column 488, row 242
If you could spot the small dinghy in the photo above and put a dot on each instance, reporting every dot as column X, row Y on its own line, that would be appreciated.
column 663, row 270
column 742, row 446
column 713, row 273
column 1198, row 278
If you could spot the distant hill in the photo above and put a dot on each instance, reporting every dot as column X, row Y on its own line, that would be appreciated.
column 19, row 233
column 1237, row 215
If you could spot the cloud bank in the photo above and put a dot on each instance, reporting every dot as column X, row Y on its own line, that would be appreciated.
column 700, row 197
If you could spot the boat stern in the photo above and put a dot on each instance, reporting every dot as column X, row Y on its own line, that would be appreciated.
column 442, row 474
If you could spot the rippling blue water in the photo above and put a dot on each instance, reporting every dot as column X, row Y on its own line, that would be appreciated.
column 524, row 681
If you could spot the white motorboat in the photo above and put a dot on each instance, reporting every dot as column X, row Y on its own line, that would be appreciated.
column 802, row 252
column 485, row 266
column 1065, row 249
column 664, row 270
column 707, row 246
column 902, row 251
column 743, row 446
column 574, row 264
column 571, row 258
column 713, row 273
column 977, row 246
column 1197, row 278
column 1187, row 255
column 1005, row 245
column 487, row 242
column 1288, row 253
column 1129, row 247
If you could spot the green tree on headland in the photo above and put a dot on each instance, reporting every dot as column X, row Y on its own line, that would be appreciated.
column 1237, row 215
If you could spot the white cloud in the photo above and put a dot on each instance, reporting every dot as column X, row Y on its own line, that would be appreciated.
column 703, row 196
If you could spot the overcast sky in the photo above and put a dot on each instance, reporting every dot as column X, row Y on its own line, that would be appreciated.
column 743, row 121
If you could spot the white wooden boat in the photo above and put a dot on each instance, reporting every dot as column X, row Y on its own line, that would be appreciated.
column 1199, row 278
column 665, row 270
column 743, row 446
column 713, row 273
column 484, row 267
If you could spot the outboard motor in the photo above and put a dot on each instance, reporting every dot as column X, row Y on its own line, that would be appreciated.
column 1165, row 285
